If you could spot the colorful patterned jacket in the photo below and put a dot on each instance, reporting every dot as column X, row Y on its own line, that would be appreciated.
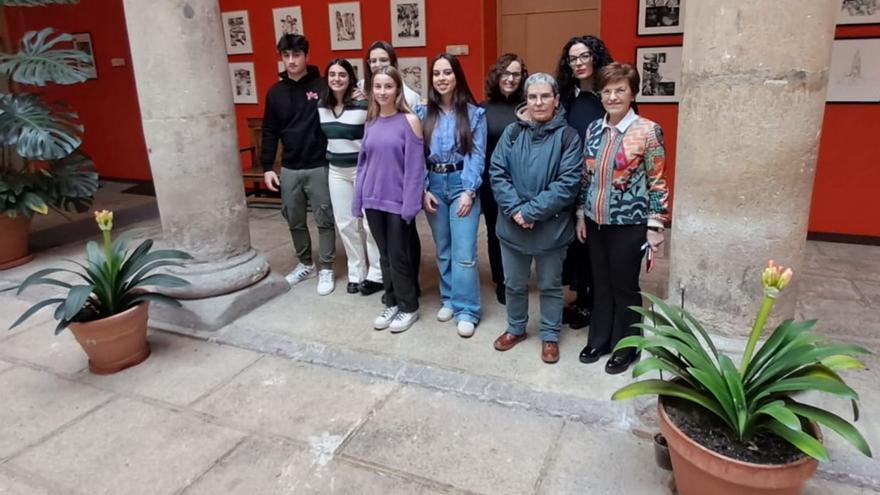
column 622, row 181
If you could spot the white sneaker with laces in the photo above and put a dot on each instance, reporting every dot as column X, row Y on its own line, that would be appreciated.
column 445, row 314
column 403, row 321
column 466, row 329
column 326, row 281
column 385, row 318
column 300, row 272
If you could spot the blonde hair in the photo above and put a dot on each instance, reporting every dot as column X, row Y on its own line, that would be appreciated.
column 399, row 102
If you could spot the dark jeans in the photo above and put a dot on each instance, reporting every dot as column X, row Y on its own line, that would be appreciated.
column 616, row 261
column 394, row 239
column 490, row 214
column 577, row 273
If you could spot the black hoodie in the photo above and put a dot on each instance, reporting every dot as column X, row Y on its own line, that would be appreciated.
column 292, row 116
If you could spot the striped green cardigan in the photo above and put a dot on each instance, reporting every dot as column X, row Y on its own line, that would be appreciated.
column 344, row 132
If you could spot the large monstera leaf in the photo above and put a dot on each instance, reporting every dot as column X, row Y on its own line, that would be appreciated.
column 38, row 61
column 36, row 130
column 73, row 182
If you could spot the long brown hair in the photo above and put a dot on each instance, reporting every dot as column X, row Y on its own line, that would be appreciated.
column 368, row 73
column 461, row 96
column 399, row 102
column 493, row 78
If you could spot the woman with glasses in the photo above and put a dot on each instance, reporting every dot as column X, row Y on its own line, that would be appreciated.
column 504, row 93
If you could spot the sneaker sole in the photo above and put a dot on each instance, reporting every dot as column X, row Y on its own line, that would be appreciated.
column 320, row 293
column 300, row 280
column 403, row 329
column 444, row 320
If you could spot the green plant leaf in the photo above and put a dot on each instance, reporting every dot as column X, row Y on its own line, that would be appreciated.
column 33, row 309
column 737, row 394
column 38, row 61
column 161, row 280
column 157, row 298
column 714, row 384
column 842, row 362
column 784, row 333
column 664, row 388
column 37, row 277
column 139, row 263
column 804, row 442
column 801, row 384
column 36, row 130
column 778, row 411
column 841, row 426
column 76, row 299
column 35, row 203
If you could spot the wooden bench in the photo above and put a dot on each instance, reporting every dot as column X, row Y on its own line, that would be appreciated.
column 253, row 176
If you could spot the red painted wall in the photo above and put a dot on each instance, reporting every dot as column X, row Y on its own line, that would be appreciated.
column 107, row 106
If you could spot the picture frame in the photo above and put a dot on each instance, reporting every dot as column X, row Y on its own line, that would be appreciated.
column 358, row 65
column 408, row 23
column 287, row 20
column 659, row 69
column 858, row 12
column 345, row 26
column 281, row 68
column 854, row 74
column 83, row 42
column 237, row 32
column 660, row 17
column 244, row 82
column 414, row 72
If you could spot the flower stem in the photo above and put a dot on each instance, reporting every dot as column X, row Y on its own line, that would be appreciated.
column 758, row 328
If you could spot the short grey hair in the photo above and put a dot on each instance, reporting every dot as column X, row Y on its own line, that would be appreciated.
column 541, row 78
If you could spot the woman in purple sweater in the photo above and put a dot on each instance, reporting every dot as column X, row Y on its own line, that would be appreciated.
column 388, row 190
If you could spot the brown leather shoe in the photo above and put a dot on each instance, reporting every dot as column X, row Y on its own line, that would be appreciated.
column 550, row 352
column 507, row 340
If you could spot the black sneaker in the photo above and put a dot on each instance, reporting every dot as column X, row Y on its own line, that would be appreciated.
column 577, row 317
column 353, row 288
column 369, row 287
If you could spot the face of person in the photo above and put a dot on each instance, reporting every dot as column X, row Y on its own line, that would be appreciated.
column 581, row 61
column 510, row 78
column 541, row 102
column 337, row 78
column 384, row 90
column 443, row 78
column 617, row 98
column 378, row 58
column 295, row 61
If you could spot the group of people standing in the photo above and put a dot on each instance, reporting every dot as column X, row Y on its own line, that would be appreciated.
column 567, row 175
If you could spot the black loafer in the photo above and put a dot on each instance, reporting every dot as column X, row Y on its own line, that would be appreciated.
column 590, row 355
column 369, row 287
column 501, row 294
column 620, row 361
column 353, row 288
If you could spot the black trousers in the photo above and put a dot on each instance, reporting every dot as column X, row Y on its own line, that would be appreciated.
column 577, row 273
column 490, row 214
column 394, row 239
column 616, row 257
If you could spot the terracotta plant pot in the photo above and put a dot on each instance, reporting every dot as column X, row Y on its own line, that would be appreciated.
column 116, row 342
column 700, row 471
column 14, row 241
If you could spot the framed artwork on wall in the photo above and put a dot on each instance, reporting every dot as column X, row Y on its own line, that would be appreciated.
column 83, row 43
column 408, row 22
column 345, row 26
column 358, row 65
column 237, row 31
column 244, row 82
column 859, row 12
column 287, row 20
column 661, row 17
column 660, row 72
column 854, row 75
column 414, row 71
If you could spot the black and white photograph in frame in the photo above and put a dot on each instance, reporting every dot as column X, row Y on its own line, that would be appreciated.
column 660, row 72
column 854, row 75
column 859, row 12
column 408, row 22
column 661, row 17
column 244, row 82
column 237, row 31
column 358, row 65
column 414, row 72
column 83, row 43
column 287, row 20
column 345, row 26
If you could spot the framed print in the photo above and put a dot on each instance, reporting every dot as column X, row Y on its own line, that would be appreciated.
column 660, row 71
column 408, row 22
column 83, row 43
column 859, row 12
column 854, row 75
column 287, row 20
column 244, row 84
column 237, row 31
column 358, row 65
column 661, row 17
column 345, row 26
column 281, row 68
column 414, row 71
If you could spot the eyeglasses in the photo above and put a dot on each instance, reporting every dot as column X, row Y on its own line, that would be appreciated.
column 583, row 58
column 511, row 75
column 539, row 98
column 619, row 93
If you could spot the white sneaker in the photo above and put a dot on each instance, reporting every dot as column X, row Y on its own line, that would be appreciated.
column 326, row 281
column 403, row 321
column 300, row 273
column 385, row 318
column 466, row 329
column 445, row 314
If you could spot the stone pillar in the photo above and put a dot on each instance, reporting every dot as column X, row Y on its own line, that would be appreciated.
column 185, row 96
column 754, row 75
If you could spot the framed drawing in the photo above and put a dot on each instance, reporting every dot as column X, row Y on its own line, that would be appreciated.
column 854, row 75
column 859, row 12
column 414, row 71
column 244, row 84
column 408, row 22
column 660, row 72
column 287, row 20
column 661, row 17
column 237, row 31
column 83, row 43
column 358, row 65
column 345, row 26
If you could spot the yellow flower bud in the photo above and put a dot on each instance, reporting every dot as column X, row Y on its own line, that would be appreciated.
column 785, row 278
column 104, row 218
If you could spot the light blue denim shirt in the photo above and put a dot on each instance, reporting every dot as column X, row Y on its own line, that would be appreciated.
column 445, row 150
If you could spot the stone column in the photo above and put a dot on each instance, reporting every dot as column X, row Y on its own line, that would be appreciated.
column 185, row 96
column 754, row 75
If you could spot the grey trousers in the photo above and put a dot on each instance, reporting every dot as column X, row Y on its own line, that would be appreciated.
column 548, row 271
column 299, row 188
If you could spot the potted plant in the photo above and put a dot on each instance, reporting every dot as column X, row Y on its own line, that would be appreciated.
column 108, row 312
column 741, row 430
column 40, row 166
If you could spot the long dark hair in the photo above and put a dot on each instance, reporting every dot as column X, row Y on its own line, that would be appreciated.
column 461, row 96
column 329, row 99
column 565, row 75
column 493, row 78
column 368, row 73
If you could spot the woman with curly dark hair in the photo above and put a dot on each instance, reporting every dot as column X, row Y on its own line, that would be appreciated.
column 504, row 93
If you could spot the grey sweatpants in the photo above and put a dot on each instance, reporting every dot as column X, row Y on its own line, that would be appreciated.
column 298, row 189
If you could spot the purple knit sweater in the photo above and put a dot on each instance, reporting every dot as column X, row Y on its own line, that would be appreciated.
column 391, row 169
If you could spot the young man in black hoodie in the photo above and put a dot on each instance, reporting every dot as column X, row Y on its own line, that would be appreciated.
column 291, row 116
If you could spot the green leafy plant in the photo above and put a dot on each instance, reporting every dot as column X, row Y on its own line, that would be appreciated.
column 759, row 395
column 116, row 279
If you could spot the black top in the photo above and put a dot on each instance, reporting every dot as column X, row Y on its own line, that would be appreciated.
column 583, row 110
column 292, row 116
column 499, row 114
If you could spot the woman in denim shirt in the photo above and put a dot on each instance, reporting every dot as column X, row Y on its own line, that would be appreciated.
column 455, row 127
